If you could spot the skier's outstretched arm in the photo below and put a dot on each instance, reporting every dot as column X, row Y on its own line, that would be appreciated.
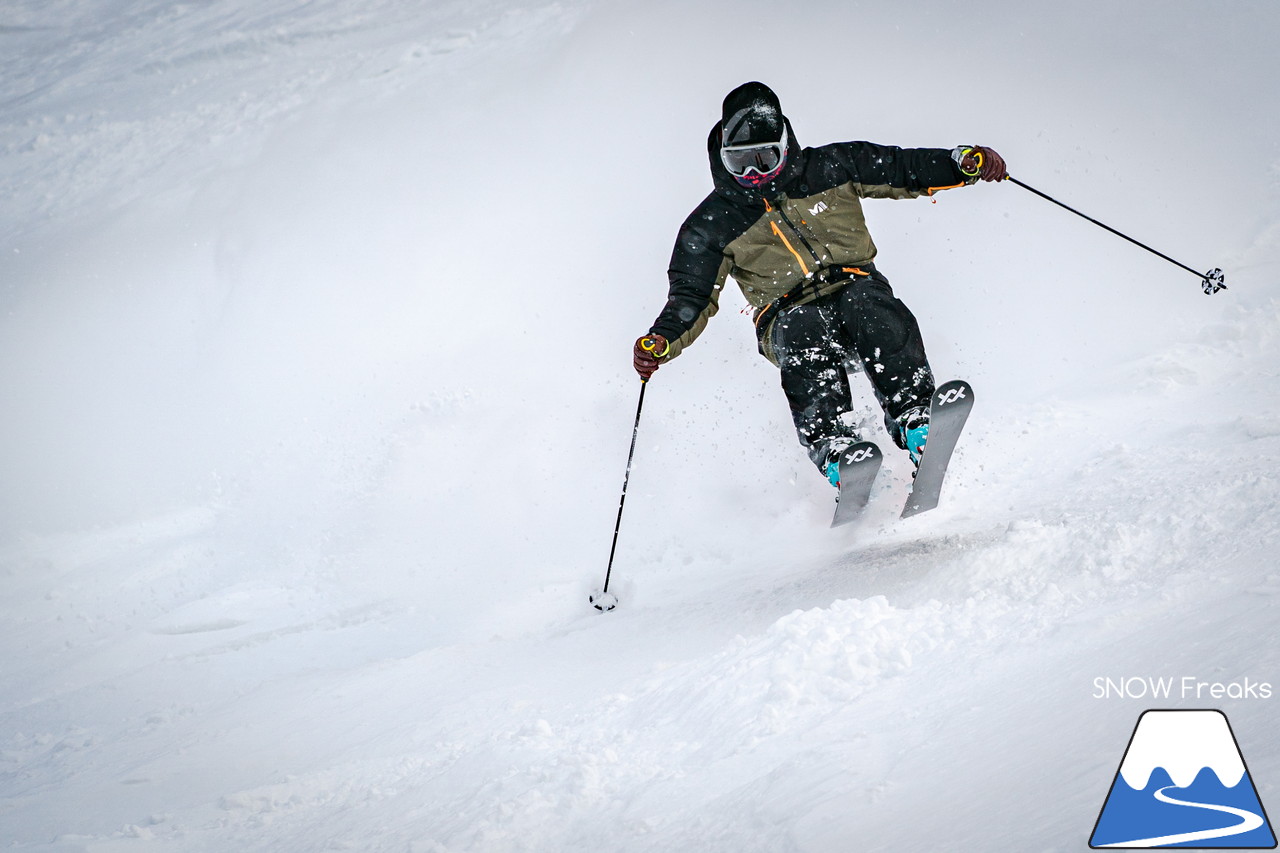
column 886, row 171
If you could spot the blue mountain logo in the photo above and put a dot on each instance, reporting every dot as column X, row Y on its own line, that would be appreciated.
column 1183, row 783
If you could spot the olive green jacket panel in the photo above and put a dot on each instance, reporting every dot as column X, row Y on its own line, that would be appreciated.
column 699, row 322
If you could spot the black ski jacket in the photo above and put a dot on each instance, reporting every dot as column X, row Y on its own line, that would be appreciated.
column 794, row 239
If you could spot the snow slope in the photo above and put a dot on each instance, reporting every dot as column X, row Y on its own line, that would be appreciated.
column 295, row 296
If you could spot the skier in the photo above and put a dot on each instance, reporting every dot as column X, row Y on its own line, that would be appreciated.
column 787, row 224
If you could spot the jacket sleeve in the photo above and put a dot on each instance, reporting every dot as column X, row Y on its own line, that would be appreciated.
column 696, row 275
column 885, row 171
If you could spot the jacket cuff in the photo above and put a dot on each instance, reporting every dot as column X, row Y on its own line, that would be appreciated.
column 957, row 156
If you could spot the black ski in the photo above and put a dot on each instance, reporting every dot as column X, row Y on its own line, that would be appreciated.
column 859, row 465
column 948, row 411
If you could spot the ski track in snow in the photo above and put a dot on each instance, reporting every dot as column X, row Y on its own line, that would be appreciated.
column 339, row 644
column 565, row 776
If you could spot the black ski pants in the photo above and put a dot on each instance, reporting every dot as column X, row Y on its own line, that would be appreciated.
column 813, row 342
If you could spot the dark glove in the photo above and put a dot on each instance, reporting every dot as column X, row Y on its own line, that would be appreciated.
column 647, row 351
column 983, row 162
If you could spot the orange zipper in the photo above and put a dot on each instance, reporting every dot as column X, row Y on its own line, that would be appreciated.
column 790, row 248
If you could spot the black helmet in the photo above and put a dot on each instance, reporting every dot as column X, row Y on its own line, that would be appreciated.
column 753, row 134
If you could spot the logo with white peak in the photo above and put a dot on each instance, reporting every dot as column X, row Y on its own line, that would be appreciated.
column 1183, row 783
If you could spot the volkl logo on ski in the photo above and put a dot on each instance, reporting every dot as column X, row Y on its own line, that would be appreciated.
column 861, row 455
column 952, row 396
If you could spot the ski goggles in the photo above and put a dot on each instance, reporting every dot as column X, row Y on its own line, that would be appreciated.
column 763, row 158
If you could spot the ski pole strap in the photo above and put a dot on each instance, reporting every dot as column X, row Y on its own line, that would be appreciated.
column 650, row 346
column 962, row 152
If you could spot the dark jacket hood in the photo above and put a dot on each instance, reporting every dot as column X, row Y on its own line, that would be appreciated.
column 728, row 187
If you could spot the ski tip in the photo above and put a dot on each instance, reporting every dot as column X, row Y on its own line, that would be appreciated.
column 603, row 601
column 950, row 393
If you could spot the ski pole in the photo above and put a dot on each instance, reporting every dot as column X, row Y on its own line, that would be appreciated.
column 1211, row 281
column 602, row 599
